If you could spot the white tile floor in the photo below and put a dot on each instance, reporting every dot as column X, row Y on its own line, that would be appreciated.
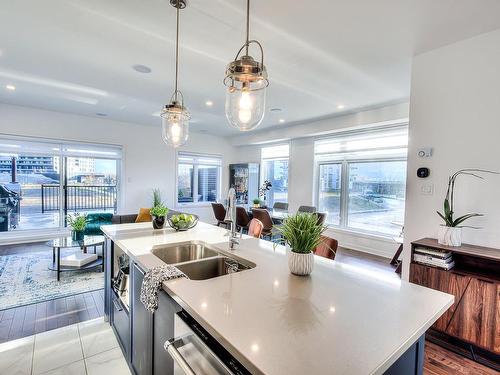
column 87, row 348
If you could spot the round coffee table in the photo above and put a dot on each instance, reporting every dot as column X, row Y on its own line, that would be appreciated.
column 68, row 242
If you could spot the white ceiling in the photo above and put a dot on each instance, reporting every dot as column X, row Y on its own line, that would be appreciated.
column 76, row 55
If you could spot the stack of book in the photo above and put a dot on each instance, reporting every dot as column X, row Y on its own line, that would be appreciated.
column 433, row 257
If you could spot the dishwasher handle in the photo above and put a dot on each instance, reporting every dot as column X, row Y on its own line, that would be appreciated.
column 177, row 357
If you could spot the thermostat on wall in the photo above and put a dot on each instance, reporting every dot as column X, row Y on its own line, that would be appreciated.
column 425, row 152
column 423, row 172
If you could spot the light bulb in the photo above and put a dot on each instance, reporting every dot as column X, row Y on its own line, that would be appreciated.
column 245, row 105
column 175, row 132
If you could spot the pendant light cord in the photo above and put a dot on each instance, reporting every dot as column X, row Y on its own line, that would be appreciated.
column 248, row 26
column 177, row 52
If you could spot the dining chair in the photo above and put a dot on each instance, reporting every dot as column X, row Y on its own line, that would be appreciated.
column 327, row 248
column 280, row 206
column 321, row 217
column 255, row 228
column 263, row 216
column 242, row 218
column 307, row 209
column 219, row 213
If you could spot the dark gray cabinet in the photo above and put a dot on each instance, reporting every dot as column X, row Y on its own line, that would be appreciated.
column 163, row 331
column 141, row 355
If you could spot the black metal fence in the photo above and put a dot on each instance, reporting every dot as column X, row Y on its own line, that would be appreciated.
column 79, row 197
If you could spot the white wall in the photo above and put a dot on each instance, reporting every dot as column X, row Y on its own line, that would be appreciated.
column 455, row 109
column 301, row 163
column 148, row 162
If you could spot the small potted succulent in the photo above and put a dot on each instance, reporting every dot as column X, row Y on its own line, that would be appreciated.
column 78, row 223
column 159, row 211
column 450, row 234
column 303, row 234
column 256, row 202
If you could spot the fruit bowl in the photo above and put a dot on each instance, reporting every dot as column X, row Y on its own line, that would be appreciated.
column 182, row 222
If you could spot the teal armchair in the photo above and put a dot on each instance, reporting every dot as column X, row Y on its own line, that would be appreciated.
column 94, row 222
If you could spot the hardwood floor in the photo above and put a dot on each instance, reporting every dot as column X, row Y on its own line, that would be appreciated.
column 44, row 316
column 439, row 361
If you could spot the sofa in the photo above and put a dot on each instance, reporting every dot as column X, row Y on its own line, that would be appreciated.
column 96, row 220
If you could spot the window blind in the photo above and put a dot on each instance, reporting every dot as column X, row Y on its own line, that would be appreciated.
column 192, row 158
column 275, row 152
column 374, row 143
column 14, row 146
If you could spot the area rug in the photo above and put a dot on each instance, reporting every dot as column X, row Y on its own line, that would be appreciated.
column 25, row 279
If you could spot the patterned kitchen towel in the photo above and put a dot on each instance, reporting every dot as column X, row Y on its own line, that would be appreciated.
column 152, row 282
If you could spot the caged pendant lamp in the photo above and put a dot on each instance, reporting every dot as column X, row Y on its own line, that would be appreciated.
column 175, row 116
column 246, row 81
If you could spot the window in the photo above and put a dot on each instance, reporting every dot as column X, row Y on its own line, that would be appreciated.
column 275, row 169
column 198, row 178
column 43, row 181
column 362, row 179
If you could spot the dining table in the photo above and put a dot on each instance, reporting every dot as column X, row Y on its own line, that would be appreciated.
column 276, row 215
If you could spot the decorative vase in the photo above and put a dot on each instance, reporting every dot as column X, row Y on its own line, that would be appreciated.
column 300, row 264
column 450, row 236
column 158, row 222
column 77, row 235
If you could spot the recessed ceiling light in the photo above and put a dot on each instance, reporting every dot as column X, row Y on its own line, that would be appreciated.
column 340, row 106
column 141, row 68
column 275, row 109
column 10, row 87
column 101, row 114
column 281, row 120
column 209, row 103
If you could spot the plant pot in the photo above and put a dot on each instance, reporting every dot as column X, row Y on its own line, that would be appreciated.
column 158, row 222
column 300, row 264
column 256, row 205
column 77, row 235
column 450, row 236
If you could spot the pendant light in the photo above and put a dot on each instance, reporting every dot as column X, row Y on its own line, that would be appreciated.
column 174, row 116
column 246, row 81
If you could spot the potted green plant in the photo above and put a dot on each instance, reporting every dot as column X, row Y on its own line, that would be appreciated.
column 450, row 234
column 77, row 222
column 256, row 202
column 303, row 234
column 159, row 211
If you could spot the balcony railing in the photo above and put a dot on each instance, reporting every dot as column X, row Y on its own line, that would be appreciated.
column 79, row 197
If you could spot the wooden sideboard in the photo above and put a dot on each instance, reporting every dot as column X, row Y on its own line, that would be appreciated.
column 472, row 325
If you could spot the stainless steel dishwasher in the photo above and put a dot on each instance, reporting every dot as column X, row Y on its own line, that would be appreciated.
column 196, row 352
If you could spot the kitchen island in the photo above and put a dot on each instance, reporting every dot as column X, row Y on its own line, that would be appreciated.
column 342, row 319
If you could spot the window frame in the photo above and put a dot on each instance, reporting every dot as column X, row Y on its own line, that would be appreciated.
column 194, row 187
column 344, row 190
column 278, row 158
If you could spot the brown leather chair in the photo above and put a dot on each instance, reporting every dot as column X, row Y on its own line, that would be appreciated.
column 307, row 209
column 242, row 218
column 327, row 248
column 219, row 213
column 321, row 217
column 255, row 228
column 263, row 216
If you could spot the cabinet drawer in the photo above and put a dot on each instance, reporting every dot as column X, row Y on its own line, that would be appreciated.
column 121, row 323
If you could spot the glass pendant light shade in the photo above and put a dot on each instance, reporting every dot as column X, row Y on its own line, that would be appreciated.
column 175, row 124
column 246, row 82
column 174, row 116
column 245, row 108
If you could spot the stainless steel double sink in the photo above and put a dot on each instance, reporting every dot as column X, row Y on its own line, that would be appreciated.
column 198, row 260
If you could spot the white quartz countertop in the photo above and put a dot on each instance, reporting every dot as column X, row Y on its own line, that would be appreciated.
column 343, row 319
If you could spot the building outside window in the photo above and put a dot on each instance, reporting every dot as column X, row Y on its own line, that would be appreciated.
column 274, row 168
column 361, row 179
column 198, row 178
